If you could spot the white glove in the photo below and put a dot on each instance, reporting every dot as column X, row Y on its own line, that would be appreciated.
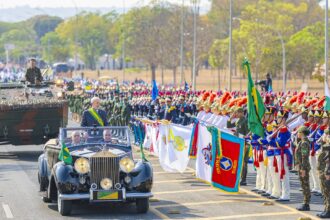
column 269, row 138
column 310, row 139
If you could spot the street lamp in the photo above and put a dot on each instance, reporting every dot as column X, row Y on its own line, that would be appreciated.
column 181, row 44
column 230, row 41
column 326, row 42
column 196, row 10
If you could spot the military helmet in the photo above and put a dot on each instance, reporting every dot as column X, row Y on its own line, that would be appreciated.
column 317, row 114
column 270, row 110
column 283, row 113
column 304, row 130
column 310, row 113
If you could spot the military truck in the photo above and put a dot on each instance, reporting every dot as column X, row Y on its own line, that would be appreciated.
column 31, row 114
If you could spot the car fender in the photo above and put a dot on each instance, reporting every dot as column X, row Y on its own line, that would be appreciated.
column 142, row 176
column 42, row 166
column 65, row 179
column 43, row 172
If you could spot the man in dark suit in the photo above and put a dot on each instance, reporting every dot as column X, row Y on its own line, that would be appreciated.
column 94, row 116
column 33, row 74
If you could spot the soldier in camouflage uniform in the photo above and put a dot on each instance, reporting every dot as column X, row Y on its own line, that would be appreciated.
column 115, row 117
column 303, row 166
column 323, row 172
column 241, row 130
column 125, row 112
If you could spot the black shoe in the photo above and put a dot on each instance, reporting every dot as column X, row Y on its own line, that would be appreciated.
column 254, row 190
column 304, row 207
column 282, row 200
column 260, row 192
column 324, row 215
column 318, row 194
column 265, row 194
column 272, row 197
column 243, row 184
column 318, row 214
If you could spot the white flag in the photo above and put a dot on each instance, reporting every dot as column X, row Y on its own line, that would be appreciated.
column 204, row 154
column 147, row 140
column 162, row 143
column 178, row 146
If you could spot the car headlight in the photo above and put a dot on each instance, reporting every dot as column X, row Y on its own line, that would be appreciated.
column 59, row 94
column 82, row 165
column 106, row 183
column 126, row 164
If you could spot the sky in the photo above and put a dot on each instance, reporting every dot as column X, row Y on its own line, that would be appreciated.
column 84, row 3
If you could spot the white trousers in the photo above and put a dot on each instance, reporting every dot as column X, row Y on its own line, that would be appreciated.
column 261, row 172
column 285, row 182
column 313, row 173
column 274, row 183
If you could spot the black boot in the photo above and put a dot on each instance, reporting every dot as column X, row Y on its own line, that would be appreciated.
column 324, row 215
column 303, row 207
column 244, row 174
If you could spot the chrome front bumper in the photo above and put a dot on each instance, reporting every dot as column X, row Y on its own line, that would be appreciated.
column 88, row 196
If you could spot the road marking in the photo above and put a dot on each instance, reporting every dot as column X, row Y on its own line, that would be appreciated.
column 280, row 205
column 182, row 191
column 7, row 210
column 158, row 213
column 164, row 172
column 293, row 211
column 251, row 215
column 177, row 181
column 241, row 199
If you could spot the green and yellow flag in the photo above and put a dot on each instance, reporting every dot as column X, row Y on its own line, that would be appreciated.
column 256, row 107
column 65, row 155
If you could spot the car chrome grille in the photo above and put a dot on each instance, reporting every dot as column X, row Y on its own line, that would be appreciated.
column 104, row 167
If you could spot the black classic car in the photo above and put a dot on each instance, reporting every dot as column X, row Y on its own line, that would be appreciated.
column 101, row 169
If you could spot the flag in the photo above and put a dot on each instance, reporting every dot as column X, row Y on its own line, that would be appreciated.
column 154, row 138
column 186, row 86
column 147, row 139
column 256, row 108
column 178, row 146
column 204, row 154
column 163, row 148
column 227, row 161
column 193, row 140
column 65, row 155
column 154, row 92
column 140, row 135
column 327, row 96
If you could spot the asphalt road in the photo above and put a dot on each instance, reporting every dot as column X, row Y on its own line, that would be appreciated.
column 176, row 196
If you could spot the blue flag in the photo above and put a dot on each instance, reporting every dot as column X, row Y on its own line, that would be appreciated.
column 186, row 86
column 154, row 93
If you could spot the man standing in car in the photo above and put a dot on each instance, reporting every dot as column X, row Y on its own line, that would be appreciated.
column 33, row 73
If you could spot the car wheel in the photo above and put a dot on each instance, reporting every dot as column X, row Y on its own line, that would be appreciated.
column 64, row 206
column 142, row 205
column 46, row 200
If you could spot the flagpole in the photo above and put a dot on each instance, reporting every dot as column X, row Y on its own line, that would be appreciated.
column 326, row 42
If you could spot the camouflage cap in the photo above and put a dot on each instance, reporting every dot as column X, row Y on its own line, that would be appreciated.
column 239, row 109
column 304, row 130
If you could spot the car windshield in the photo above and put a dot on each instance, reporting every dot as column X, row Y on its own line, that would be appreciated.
column 95, row 135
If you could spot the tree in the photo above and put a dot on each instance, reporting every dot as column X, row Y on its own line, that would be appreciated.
column 87, row 34
column 43, row 24
column 306, row 49
column 55, row 49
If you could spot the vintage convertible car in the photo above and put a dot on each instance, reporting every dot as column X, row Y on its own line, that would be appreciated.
column 101, row 170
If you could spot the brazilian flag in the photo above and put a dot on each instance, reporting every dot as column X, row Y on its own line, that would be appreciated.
column 65, row 155
column 256, row 107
